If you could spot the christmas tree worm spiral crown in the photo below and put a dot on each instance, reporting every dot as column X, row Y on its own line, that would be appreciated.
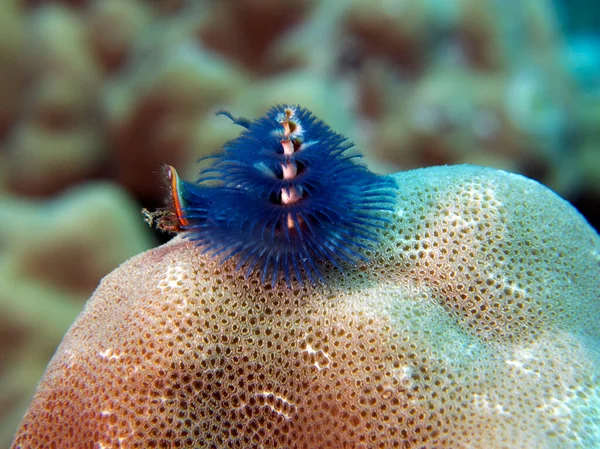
column 283, row 197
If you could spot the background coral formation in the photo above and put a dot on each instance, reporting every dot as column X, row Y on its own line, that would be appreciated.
column 95, row 95
column 465, row 332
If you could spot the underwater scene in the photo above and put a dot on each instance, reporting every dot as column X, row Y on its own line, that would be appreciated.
column 310, row 224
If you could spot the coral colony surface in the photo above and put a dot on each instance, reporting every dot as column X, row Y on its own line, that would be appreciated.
column 472, row 319
column 97, row 95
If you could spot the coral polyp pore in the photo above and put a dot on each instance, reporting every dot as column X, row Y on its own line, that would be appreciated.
column 284, row 197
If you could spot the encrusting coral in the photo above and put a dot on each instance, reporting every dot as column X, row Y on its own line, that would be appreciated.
column 51, row 259
column 476, row 325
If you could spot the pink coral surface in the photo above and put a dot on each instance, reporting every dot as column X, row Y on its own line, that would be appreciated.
column 475, row 325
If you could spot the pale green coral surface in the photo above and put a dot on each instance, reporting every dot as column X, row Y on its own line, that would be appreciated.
column 476, row 325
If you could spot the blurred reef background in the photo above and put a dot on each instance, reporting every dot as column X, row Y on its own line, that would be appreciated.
column 95, row 96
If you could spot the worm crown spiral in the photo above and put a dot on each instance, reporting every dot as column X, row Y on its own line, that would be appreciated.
column 284, row 197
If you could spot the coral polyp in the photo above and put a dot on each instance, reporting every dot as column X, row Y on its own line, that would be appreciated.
column 285, row 196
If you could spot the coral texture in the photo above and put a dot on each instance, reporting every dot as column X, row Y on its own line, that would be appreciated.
column 477, row 325
column 52, row 255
